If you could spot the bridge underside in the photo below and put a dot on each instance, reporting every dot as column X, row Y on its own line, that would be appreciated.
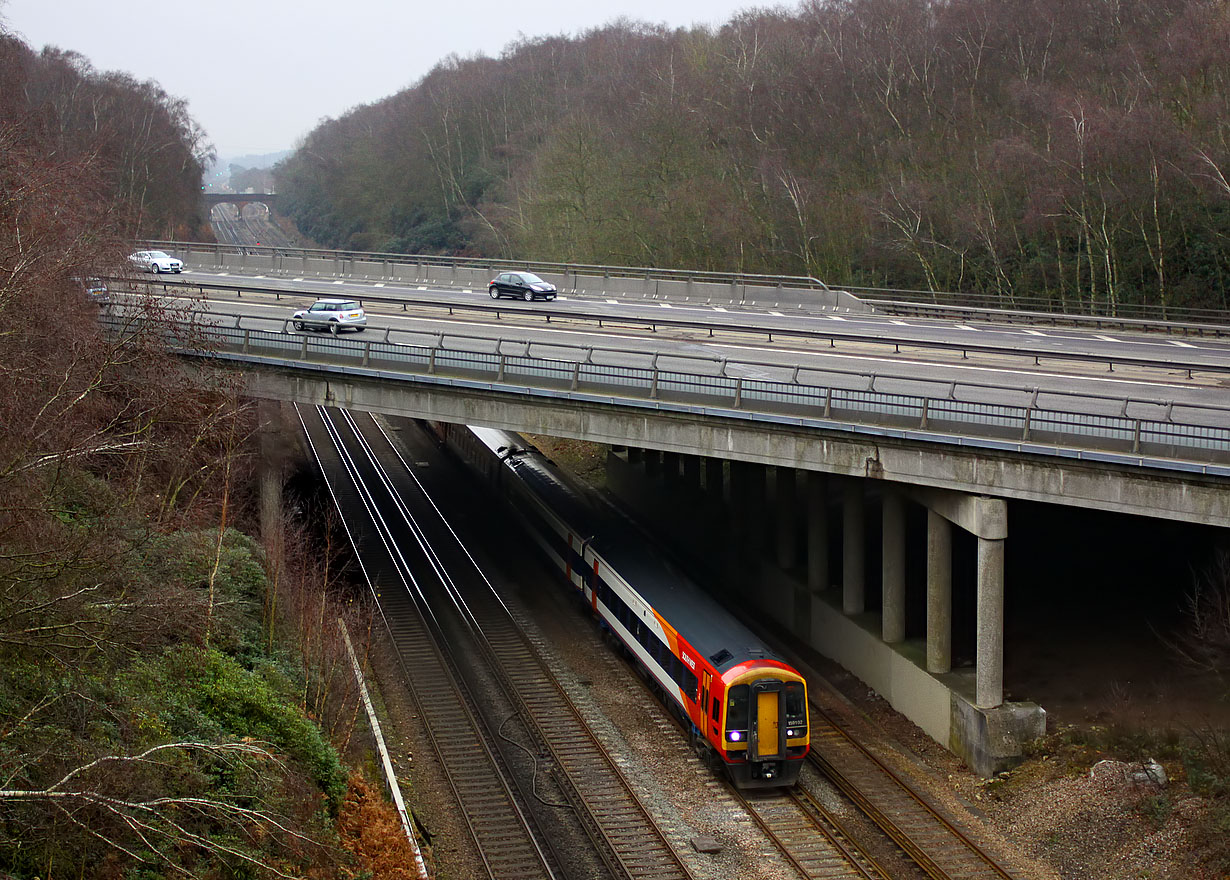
column 767, row 472
column 966, row 469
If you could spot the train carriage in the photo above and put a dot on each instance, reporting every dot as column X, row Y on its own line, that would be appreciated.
column 745, row 707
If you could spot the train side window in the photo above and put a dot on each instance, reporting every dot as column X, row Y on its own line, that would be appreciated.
column 716, row 710
column 676, row 670
column 689, row 684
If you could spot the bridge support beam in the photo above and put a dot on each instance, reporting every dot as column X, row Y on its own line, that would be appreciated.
column 757, row 489
column 787, row 517
column 715, row 482
column 691, row 472
column 670, row 469
column 892, row 624
column 989, row 665
column 939, row 593
column 853, row 600
column 817, row 533
column 742, row 500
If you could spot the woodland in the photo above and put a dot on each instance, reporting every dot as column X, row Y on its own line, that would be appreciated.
column 173, row 700
column 1072, row 151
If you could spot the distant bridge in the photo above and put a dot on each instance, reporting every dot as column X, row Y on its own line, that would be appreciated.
column 208, row 200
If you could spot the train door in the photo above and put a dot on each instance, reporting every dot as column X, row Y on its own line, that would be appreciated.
column 706, row 680
column 768, row 725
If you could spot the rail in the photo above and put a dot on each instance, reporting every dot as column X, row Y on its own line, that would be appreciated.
column 1166, row 434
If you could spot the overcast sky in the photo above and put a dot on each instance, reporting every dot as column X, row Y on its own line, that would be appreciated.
column 259, row 74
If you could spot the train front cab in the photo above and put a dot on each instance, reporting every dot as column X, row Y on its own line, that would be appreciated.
column 765, row 727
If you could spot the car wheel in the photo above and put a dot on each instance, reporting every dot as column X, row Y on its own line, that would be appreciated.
column 298, row 325
column 495, row 293
column 333, row 327
column 359, row 329
column 154, row 268
column 528, row 296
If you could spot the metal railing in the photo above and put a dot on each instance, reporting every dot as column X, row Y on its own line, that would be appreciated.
column 932, row 303
column 1172, row 435
column 585, row 269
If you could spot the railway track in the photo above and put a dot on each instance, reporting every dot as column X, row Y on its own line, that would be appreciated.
column 934, row 841
column 503, row 836
column 809, row 838
column 627, row 837
column 622, row 831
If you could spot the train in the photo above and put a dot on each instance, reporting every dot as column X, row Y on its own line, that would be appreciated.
column 744, row 707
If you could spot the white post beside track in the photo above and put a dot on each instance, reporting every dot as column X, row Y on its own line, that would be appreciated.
column 390, row 777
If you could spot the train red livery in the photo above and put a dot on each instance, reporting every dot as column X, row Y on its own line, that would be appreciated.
column 745, row 708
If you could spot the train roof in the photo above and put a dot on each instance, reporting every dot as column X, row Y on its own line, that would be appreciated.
column 711, row 630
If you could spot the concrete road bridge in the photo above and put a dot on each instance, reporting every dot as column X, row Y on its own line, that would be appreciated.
column 764, row 457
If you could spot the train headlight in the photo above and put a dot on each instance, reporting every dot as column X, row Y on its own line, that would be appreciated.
column 734, row 735
column 792, row 733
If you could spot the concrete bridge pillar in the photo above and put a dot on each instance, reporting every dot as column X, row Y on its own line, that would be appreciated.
column 939, row 593
column 670, row 469
column 715, row 482
column 787, row 519
column 817, row 533
column 691, row 472
column 853, row 600
column 989, row 672
column 741, row 501
column 636, row 455
column 757, row 501
column 893, row 569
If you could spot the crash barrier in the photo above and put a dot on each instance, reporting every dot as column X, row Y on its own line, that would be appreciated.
column 768, row 291
column 1169, row 435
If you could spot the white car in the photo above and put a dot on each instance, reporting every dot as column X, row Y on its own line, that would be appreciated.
column 156, row 262
column 333, row 315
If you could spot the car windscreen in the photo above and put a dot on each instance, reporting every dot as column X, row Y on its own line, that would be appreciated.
column 530, row 278
column 158, row 255
column 346, row 306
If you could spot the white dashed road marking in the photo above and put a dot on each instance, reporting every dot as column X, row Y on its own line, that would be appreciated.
column 967, row 327
column 1105, row 338
column 379, row 284
column 836, row 318
column 1181, row 344
column 613, row 302
column 900, row 323
column 1033, row 332
column 718, row 309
